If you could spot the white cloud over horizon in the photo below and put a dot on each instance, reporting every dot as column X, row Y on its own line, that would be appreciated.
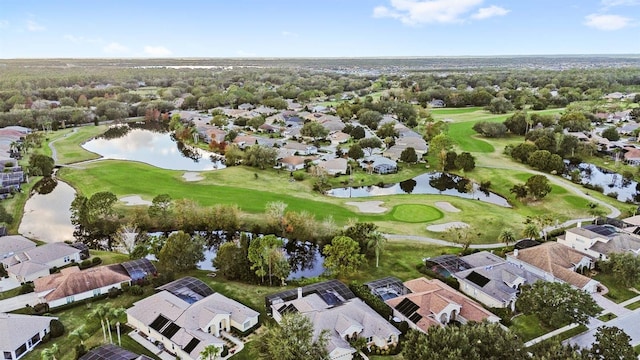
column 491, row 11
column 612, row 3
column 607, row 22
column 157, row 51
column 115, row 48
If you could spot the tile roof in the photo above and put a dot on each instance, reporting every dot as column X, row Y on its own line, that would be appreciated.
column 73, row 281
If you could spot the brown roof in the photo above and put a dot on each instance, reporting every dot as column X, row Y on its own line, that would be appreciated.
column 293, row 160
column 432, row 296
column 73, row 281
column 556, row 259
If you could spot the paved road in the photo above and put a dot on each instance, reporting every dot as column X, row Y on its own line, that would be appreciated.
column 628, row 323
column 18, row 302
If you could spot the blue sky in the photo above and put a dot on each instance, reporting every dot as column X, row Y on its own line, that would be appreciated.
column 316, row 28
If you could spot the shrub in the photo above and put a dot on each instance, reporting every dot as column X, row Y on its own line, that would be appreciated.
column 135, row 290
column 114, row 292
column 41, row 308
column 96, row 260
column 85, row 264
column 298, row 176
column 613, row 194
column 26, row 288
column 370, row 299
column 57, row 328
column 54, row 270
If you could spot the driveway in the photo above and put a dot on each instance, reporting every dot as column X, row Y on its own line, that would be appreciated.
column 18, row 302
column 628, row 323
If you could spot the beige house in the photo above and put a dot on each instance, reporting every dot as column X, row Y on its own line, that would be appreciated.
column 434, row 303
column 556, row 262
column 599, row 241
column 34, row 263
column 185, row 321
column 334, row 166
column 21, row 333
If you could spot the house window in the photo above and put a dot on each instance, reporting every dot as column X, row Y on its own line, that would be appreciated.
column 246, row 324
column 369, row 339
column 66, row 259
column 35, row 338
column 70, row 299
column 96, row 292
column 7, row 355
column 390, row 340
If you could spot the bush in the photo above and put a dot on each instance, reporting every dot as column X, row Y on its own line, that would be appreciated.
column 41, row 308
column 26, row 288
column 57, row 328
column 135, row 290
column 114, row 292
column 613, row 194
column 370, row 299
column 85, row 264
column 96, row 260
column 54, row 270
column 298, row 176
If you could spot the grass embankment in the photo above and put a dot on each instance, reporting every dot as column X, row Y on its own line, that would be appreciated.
column 68, row 146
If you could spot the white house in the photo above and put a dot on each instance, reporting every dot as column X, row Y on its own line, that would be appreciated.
column 14, row 244
column 599, row 241
column 185, row 321
column 292, row 163
column 557, row 263
column 21, row 333
column 333, row 307
column 72, row 284
column 34, row 263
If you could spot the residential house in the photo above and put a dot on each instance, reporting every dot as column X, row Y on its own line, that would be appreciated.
column 339, row 137
column 301, row 149
column 246, row 107
column 417, row 143
column 269, row 128
column 33, row 263
column 21, row 333
column 332, row 307
column 245, row 141
column 186, row 316
column 14, row 244
column 211, row 132
column 379, row 164
column 598, row 241
column 632, row 155
column 292, row 163
column 558, row 263
column 434, row 303
column 628, row 129
column 334, row 166
column 496, row 284
column 72, row 284
column 437, row 103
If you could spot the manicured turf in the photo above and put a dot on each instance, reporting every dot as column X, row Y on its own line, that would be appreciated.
column 618, row 292
column 414, row 213
column 68, row 147
column 467, row 140
column 454, row 111
column 528, row 327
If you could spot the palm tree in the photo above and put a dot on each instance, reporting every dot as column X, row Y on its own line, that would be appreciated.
column 210, row 352
column 376, row 241
column 531, row 231
column 50, row 353
column 100, row 312
column 507, row 236
column 79, row 334
column 113, row 313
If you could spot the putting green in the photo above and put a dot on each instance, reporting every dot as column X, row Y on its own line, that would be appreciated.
column 414, row 213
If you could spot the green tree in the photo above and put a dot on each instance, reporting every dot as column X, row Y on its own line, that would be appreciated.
column 531, row 231
column 314, row 129
column 161, row 208
column 409, row 156
column 439, row 146
column 5, row 217
column 50, row 352
column 625, row 266
column 574, row 121
column 465, row 161
column 181, row 252
column 357, row 133
column 538, row 186
column 370, row 144
column 233, row 155
column 386, row 130
column 557, row 304
column 507, row 236
column 499, row 105
column 520, row 191
column 612, row 343
column 370, row 118
column 210, row 352
column 355, row 152
column 522, row 151
column 261, row 255
column 360, row 232
column 342, row 256
column 41, row 165
column 475, row 341
column 293, row 339
column 611, row 134
column 260, row 156
column 376, row 242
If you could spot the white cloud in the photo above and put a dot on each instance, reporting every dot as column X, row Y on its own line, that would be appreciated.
column 607, row 22
column 34, row 26
column 81, row 39
column 157, row 51
column 612, row 3
column 289, row 34
column 491, row 11
column 417, row 12
column 4, row 24
column 115, row 48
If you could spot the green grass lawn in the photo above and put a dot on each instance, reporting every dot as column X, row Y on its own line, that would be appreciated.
column 633, row 305
column 607, row 317
column 414, row 213
column 617, row 291
column 528, row 327
column 455, row 111
column 68, row 145
column 467, row 139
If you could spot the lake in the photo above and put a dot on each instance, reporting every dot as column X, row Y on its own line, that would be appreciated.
column 430, row 183
column 611, row 182
column 47, row 217
column 155, row 148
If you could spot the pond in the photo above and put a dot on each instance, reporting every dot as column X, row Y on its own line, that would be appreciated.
column 430, row 183
column 626, row 190
column 305, row 259
column 47, row 216
column 157, row 148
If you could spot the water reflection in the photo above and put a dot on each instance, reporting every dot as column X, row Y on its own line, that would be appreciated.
column 609, row 181
column 47, row 217
column 430, row 183
column 154, row 148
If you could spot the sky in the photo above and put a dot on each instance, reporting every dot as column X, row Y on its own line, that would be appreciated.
column 316, row 28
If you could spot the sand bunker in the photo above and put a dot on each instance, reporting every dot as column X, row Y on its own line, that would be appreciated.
column 134, row 200
column 446, row 206
column 192, row 176
column 446, row 226
column 372, row 207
